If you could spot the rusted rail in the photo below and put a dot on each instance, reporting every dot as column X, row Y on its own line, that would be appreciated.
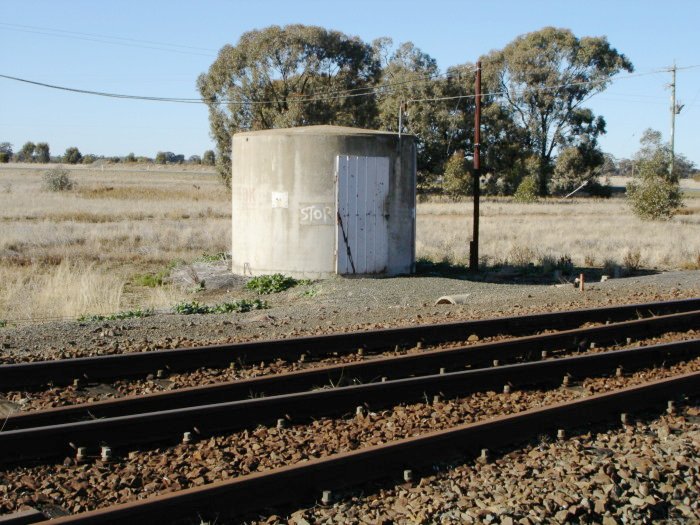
column 305, row 481
column 426, row 363
column 105, row 367
column 169, row 425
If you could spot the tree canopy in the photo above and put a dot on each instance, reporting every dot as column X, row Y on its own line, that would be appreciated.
column 533, row 111
column 287, row 76
column 72, row 155
column 545, row 77
column 440, row 126
column 42, row 152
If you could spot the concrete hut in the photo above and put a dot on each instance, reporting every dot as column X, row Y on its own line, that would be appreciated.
column 321, row 200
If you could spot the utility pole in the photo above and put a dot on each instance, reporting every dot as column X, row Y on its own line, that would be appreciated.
column 474, row 244
column 403, row 106
column 673, row 118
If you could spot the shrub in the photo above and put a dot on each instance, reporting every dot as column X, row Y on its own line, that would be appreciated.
column 267, row 284
column 5, row 157
column 58, row 179
column 457, row 181
column 589, row 259
column 527, row 190
column 654, row 198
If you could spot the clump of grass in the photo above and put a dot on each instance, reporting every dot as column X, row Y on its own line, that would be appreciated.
column 128, row 314
column 3, row 323
column 275, row 283
column 632, row 260
column 609, row 266
column 521, row 256
column 565, row 264
column 589, row 260
column 206, row 257
column 240, row 306
column 151, row 280
column 58, row 179
column 692, row 263
column 426, row 266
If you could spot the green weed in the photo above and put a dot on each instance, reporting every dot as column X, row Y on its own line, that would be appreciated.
column 310, row 292
column 128, row 314
column 267, row 284
column 240, row 306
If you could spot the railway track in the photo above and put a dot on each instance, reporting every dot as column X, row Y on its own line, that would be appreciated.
column 106, row 367
column 374, row 383
column 383, row 368
column 307, row 480
column 210, row 419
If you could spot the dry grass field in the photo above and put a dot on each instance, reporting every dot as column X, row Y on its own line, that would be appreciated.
column 84, row 251
column 586, row 230
column 64, row 254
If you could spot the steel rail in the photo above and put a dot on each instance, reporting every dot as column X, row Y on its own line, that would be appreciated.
column 104, row 367
column 393, row 367
column 304, row 481
column 169, row 425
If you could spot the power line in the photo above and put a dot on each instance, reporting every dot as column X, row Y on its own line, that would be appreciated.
column 348, row 93
column 542, row 88
column 331, row 95
column 109, row 39
column 104, row 94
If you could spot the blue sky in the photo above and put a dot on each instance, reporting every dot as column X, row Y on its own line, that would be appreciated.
column 652, row 34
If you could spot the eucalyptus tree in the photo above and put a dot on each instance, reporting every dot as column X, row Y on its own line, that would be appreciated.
column 26, row 154
column 544, row 78
column 435, row 107
column 42, row 152
column 288, row 76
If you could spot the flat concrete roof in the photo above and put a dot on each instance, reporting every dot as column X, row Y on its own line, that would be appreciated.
column 320, row 130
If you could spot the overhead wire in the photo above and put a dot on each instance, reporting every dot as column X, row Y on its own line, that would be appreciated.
column 333, row 94
column 108, row 39
column 349, row 93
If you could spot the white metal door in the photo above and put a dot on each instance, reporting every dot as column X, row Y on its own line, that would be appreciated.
column 363, row 228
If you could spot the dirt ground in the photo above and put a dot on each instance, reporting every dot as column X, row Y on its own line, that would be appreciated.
column 325, row 306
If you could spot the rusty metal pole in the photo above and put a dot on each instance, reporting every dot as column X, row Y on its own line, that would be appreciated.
column 474, row 244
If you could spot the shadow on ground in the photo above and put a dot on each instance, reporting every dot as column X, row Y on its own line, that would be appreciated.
column 529, row 274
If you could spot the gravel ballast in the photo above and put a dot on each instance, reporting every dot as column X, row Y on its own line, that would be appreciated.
column 141, row 473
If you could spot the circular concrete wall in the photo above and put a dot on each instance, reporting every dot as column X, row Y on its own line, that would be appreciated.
column 285, row 201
